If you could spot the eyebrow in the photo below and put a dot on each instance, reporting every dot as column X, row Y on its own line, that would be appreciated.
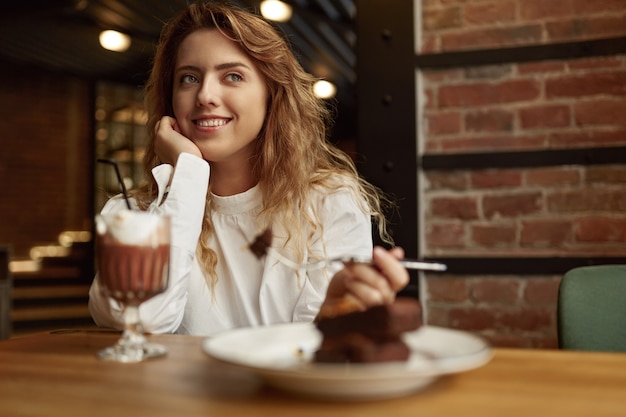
column 220, row 67
column 228, row 65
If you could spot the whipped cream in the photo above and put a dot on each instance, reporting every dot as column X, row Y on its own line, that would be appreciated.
column 130, row 227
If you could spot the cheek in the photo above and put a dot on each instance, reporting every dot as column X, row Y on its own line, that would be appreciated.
column 176, row 105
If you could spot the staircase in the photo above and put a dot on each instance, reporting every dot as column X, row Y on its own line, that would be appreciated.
column 56, row 294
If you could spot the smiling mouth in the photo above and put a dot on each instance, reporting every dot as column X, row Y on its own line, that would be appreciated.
column 212, row 122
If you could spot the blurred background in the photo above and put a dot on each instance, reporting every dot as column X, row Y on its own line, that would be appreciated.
column 497, row 125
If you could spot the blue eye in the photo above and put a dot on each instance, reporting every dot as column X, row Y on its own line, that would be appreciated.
column 188, row 79
column 234, row 77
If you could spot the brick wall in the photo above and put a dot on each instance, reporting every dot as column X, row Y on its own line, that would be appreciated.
column 45, row 173
column 562, row 210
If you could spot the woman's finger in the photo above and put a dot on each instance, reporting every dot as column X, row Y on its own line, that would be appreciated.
column 387, row 263
column 367, row 283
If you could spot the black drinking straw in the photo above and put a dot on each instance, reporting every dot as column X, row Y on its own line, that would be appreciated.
column 119, row 178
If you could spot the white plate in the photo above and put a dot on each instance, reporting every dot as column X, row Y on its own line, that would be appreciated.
column 282, row 354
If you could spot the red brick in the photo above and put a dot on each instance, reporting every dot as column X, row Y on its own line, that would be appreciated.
column 443, row 123
column 441, row 18
column 444, row 75
column 545, row 233
column 512, row 205
column 486, row 93
column 430, row 44
column 542, row 291
column 548, row 341
column 596, row 62
column 446, row 180
column 492, row 12
column 494, row 235
column 586, row 199
column 495, row 291
column 607, row 174
column 436, row 315
column 492, row 143
column 496, row 179
column 491, row 37
column 583, row 7
column 528, row 319
column 462, row 208
column 45, row 164
column 592, row 83
column 489, row 72
column 490, row 120
column 506, row 340
column 430, row 98
column 600, row 229
column 550, row 177
column 541, row 67
column 471, row 319
column 432, row 146
column 601, row 112
column 429, row 3
column 541, row 9
column 587, row 28
column 587, row 137
column 447, row 289
column 548, row 116
column 445, row 235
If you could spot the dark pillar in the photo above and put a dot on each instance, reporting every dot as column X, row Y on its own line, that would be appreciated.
column 386, row 141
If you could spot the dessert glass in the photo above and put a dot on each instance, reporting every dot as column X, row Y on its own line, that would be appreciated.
column 133, row 252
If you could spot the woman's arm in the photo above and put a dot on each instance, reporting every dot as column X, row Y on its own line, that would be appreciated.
column 185, row 204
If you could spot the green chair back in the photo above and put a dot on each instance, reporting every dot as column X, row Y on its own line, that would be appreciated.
column 591, row 309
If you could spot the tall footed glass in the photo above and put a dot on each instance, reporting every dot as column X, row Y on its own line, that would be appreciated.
column 133, row 252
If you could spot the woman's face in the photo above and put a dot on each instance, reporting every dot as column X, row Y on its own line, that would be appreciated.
column 219, row 97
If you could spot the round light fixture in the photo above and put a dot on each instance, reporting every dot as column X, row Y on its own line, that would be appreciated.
column 114, row 40
column 324, row 89
column 276, row 10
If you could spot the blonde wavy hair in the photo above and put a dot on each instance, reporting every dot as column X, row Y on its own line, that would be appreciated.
column 292, row 150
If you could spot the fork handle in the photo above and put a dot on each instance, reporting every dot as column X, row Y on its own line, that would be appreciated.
column 423, row 266
column 407, row 263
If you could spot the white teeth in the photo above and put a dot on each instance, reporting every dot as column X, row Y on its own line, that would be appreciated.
column 212, row 122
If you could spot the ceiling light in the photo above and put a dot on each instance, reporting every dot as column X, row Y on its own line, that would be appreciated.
column 114, row 40
column 324, row 89
column 276, row 10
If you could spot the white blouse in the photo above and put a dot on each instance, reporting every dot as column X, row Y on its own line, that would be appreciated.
column 249, row 291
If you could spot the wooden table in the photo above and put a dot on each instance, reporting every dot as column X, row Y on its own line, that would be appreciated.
column 58, row 374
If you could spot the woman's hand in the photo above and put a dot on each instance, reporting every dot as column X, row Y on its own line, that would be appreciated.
column 360, row 286
column 169, row 142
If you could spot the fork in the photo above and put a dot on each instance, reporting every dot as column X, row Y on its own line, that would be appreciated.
column 407, row 263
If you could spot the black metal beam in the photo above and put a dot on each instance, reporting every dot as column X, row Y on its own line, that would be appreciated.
column 519, row 266
column 528, row 53
column 524, row 159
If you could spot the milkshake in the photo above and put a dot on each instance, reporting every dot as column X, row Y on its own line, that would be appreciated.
column 133, row 255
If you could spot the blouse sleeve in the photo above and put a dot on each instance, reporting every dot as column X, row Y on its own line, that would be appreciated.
column 185, row 203
column 347, row 230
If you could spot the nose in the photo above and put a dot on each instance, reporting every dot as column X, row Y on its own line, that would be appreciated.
column 209, row 93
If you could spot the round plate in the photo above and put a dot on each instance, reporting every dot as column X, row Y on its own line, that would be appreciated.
column 282, row 354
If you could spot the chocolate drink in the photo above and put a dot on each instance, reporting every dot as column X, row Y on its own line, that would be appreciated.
column 133, row 255
column 132, row 273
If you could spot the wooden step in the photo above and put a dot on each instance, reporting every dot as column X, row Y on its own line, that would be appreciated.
column 50, row 291
column 55, row 312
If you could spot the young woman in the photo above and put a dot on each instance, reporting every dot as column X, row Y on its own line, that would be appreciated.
column 238, row 144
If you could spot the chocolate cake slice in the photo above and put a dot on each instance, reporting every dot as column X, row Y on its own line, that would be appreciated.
column 358, row 348
column 380, row 322
column 373, row 335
